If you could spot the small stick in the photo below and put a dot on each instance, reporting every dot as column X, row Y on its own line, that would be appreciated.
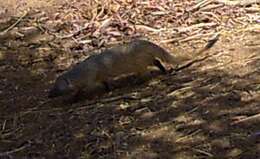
column 195, row 26
column 3, row 127
column 213, row 15
column 188, row 136
column 238, row 3
column 144, row 27
column 203, row 152
column 211, row 7
column 192, row 37
column 195, row 37
column 13, row 25
column 172, row 40
column 7, row 153
column 253, row 118
column 71, row 34
column 200, row 5
column 108, row 100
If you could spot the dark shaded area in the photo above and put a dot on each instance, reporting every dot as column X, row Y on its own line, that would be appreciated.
column 189, row 114
column 125, row 119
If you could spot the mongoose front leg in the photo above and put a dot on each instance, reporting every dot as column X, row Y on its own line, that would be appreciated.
column 107, row 86
column 159, row 64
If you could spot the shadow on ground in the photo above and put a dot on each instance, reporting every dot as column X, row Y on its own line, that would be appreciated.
column 183, row 115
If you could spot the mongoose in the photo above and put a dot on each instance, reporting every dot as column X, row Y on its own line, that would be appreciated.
column 95, row 71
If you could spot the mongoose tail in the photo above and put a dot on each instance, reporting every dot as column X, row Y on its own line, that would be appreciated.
column 163, row 57
column 211, row 42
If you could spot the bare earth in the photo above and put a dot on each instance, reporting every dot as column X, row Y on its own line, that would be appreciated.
column 193, row 114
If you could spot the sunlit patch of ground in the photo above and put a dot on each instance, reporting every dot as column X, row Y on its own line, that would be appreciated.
column 191, row 114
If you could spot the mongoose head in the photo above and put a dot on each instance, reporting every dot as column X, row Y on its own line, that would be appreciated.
column 62, row 86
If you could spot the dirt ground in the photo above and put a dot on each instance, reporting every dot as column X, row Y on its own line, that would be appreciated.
column 191, row 114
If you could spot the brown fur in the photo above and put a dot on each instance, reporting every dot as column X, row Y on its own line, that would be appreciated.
column 134, row 57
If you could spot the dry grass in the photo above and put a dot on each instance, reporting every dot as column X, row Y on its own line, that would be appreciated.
column 199, row 112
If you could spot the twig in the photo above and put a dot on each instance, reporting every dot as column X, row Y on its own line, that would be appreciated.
column 112, row 99
column 108, row 100
column 252, row 10
column 144, row 27
column 203, row 152
column 72, row 34
column 36, row 108
column 238, row 2
column 192, row 37
column 13, row 25
column 253, row 118
column 211, row 7
column 188, row 136
column 195, row 37
column 212, row 15
column 172, row 40
column 3, row 127
column 196, row 26
column 200, row 5
column 78, row 31
column 7, row 153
